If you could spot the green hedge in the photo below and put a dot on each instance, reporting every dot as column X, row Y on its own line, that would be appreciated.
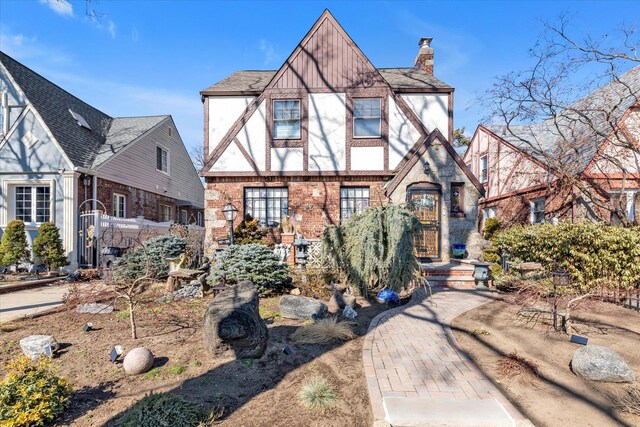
column 594, row 254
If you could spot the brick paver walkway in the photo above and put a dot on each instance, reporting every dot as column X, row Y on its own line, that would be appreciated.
column 409, row 352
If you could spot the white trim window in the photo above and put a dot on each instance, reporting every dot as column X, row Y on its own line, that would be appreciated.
column 630, row 206
column 165, row 213
column 162, row 159
column 119, row 205
column 484, row 169
column 367, row 118
column 286, row 119
column 32, row 203
column 537, row 211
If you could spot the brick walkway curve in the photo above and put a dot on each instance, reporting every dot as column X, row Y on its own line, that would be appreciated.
column 417, row 374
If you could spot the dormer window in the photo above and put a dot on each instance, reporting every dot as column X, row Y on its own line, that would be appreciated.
column 81, row 121
column 366, row 118
column 286, row 119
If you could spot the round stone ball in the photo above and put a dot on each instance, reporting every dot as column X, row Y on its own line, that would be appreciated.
column 138, row 361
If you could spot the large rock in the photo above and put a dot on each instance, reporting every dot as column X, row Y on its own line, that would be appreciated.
column 232, row 323
column 599, row 363
column 297, row 307
column 138, row 361
column 34, row 345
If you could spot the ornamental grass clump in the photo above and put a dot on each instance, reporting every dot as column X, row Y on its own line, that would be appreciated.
column 162, row 410
column 324, row 331
column 317, row 393
column 32, row 394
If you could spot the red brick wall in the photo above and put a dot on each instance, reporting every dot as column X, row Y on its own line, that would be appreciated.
column 314, row 201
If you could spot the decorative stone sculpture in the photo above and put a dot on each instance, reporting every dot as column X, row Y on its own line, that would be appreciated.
column 232, row 323
column 34, row 346
column 281, row 251
column 138, row 361
column 298, row 307
column 599, row 363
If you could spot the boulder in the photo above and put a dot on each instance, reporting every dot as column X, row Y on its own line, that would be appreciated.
column 94, row 308
column 599, row 363
column 298, row 307
column 232, row 323
column 339, row 302
column 138, row 361
column 33, row 346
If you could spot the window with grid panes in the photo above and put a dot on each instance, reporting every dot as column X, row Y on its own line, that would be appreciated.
column 353, row 200
column 267, row 205
column 33, row 204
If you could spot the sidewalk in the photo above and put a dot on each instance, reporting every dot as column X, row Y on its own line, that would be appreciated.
column 15, row 305
column 417, row 375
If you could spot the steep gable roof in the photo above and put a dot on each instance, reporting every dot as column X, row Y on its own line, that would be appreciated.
column 85, row 148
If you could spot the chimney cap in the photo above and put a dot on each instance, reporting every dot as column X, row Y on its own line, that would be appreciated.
column 425, row 41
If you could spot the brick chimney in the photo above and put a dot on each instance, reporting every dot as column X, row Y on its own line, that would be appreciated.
column 424, row 60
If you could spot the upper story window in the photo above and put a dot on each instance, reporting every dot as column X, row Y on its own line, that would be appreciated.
column 626, row 202
column 162, row 159
column 366, row 118
column 119, row 205
column 353, row 200
column 484, row 169
column 33, row 204
column 286, row 119
column 267, row 205
column 537, row 211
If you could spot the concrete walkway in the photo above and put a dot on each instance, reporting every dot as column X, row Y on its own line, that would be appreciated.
column 417, row 374
column 28, row 302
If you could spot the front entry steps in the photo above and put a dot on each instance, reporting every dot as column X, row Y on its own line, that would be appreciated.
column 452, row 274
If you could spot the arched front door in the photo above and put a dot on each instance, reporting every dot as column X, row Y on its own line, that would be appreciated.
column 425, row 204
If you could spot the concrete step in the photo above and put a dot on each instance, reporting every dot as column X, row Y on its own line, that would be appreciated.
column 415, row 412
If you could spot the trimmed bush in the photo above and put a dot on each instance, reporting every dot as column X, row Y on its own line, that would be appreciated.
column 47, row 247
column 375, row 249
column 253, row 262
column 491, row 227
column 594, row 254
column 14, row 247
column 249, row 231
column 32, row 394
column 162, row 410
column 133, row 264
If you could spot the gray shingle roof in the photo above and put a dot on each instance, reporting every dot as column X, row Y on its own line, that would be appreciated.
column 254, row 81
column 572, row 138
column 85, row 148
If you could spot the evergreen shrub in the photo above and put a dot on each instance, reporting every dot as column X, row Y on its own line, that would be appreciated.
column 162, row 410
column 249, row 231
column 14, row 247
column 133, row 264
column 47, row 247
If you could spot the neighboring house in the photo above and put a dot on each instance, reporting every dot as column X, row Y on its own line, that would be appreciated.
column 56, row 152
column 328, row 134
column 582, row 164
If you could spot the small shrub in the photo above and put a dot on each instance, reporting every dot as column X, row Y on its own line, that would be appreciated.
column 14, row 247
column 133, row 265
column 324, row 331
column 162, row 410
column 47, row 247
column 250, row 262
column 317, row 393
column 249, row 231
column 628, row 400
column 480, row 331
column 123, row 314
column 32, row 394
column 314, row 282
column 491, row 227
column 514, row 365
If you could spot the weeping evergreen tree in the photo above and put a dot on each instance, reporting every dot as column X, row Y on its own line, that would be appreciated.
column 375, row 248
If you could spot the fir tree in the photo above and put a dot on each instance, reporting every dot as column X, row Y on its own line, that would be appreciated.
column 14, row 244
column 47, row 247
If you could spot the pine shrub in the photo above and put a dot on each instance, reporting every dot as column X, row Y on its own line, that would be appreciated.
column 14, row 247
column 47, row 247
column 162, row 410
column 375, row 249
column 133, row 264
column 32, row 394
column 253, row 262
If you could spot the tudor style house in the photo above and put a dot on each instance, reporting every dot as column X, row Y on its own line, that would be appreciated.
column 584, row 164
column 59, row 155
column 328, row 134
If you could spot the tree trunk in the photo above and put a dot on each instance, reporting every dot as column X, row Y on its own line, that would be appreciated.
column 132, row 320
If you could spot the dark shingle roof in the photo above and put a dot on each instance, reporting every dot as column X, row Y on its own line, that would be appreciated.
column 254, row 81
column 573, row 137
column 85, row 148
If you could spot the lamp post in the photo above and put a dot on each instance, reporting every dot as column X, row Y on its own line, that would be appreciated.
column 230, row 212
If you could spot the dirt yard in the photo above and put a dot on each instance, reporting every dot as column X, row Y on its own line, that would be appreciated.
column 556, row 397
column 263, row 392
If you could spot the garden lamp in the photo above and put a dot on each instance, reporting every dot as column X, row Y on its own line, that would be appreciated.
column 230, row 213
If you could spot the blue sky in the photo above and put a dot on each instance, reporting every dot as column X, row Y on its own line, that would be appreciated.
column 153, row 57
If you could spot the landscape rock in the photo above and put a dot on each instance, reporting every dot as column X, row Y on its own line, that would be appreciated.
column 191, row 291
column 138, row 361
column 33, row 346
column 298, row 307
column 599, row 363
column 94, row 308
column 232, row 323
column 339, row 302
column 295, row 291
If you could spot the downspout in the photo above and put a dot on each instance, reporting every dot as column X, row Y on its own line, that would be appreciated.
column 94, row 191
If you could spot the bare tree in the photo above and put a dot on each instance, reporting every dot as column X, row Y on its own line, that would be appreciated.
column 537, row 111
column 197, row 156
